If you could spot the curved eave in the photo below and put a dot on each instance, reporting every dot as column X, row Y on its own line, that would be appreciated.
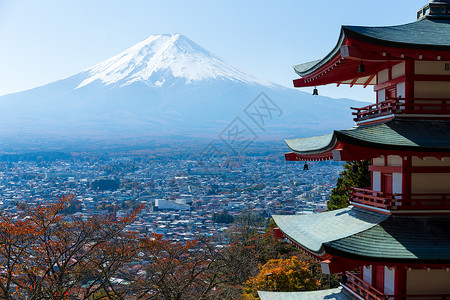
column 310, row 67
column 395, row 137
column 361, row 235
column 428, row 39
column 312, row 232
column 312, row 149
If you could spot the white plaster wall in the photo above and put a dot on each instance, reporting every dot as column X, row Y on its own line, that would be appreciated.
column 431, row 68
column 378, row 161
column 431, row 89
column 397, row 183
column 383, row 76
column 394, row 161
column 401, row 90
column 367, row 274
column 398, row 70
column 376, row 179
column 381, row 95
column 436, row 183
column 424, row 282
column 389, row 281
column 428, row 161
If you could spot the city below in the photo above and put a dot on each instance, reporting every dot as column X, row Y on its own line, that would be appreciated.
column 180, row 190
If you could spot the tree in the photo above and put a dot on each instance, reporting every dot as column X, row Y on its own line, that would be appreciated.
column 175, row 270
column 105, row 184
column 355, row 174
column 282, row 275
column 46, row 255
column 223, row 217
column 251, row 245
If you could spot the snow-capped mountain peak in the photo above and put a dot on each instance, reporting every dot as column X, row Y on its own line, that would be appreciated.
column 161, row 59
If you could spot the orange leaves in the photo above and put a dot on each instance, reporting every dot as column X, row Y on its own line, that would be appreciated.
column 286, row 275
column 46, row 255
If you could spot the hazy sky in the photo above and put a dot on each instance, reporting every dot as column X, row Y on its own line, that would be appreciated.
column 43, row 41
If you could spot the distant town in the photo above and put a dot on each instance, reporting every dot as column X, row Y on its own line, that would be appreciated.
column 179, row 191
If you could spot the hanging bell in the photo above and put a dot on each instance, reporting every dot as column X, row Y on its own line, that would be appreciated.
column 362, row 67
column 305, row 167
column 315, row 91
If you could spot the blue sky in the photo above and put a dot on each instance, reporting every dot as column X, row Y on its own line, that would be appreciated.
column 43, row 41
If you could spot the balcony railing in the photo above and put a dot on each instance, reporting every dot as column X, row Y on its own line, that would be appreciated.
column 362, row 288
column 365, row 291
column 436, row 106
column 399, row 201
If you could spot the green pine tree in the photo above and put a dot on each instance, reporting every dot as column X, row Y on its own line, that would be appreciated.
column 355, row 174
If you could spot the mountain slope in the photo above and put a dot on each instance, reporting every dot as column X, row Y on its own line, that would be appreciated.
column 165, row 85
column 160, row 59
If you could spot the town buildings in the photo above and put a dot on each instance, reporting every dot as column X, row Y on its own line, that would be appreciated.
column 255, row 186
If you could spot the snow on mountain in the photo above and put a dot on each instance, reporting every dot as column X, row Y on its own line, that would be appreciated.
column 160, row 58
column 165, row 86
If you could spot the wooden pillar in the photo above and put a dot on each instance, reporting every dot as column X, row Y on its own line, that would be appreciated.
column 379, row 278
column 400, row 282
column 409, row 83
column 406, row 175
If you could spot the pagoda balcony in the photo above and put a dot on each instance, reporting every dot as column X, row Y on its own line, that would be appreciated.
column 397, row 202
column 362, row 290
column 402, row 106
column 355, row 285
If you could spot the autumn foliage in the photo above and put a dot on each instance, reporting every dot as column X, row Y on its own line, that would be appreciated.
column 46, row 253
column 287, row 275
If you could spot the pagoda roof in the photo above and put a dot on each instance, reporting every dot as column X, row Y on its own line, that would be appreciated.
column 362, row 235
column 312, row 231
column 374, row 45
column 427, row 34
column 396, row 134
column 330, row 294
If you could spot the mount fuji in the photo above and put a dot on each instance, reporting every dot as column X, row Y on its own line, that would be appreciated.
column 166, row 85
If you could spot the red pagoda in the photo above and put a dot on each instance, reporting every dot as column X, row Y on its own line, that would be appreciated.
column 393, row 241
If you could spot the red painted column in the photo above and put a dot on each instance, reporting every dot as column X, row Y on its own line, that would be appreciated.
column 406, row 175
column 409, row 83
column 379, row 278
column 371, row 175
column 400, row 282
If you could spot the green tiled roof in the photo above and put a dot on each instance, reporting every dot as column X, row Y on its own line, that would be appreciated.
column 402, row 134
column 306, row 66
column 331, row 294
column 399, row 238
column 312, row 144
column 360, row 234
column 427, row 34
column 311, row 231
column 397, row 134
column 433, row 34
